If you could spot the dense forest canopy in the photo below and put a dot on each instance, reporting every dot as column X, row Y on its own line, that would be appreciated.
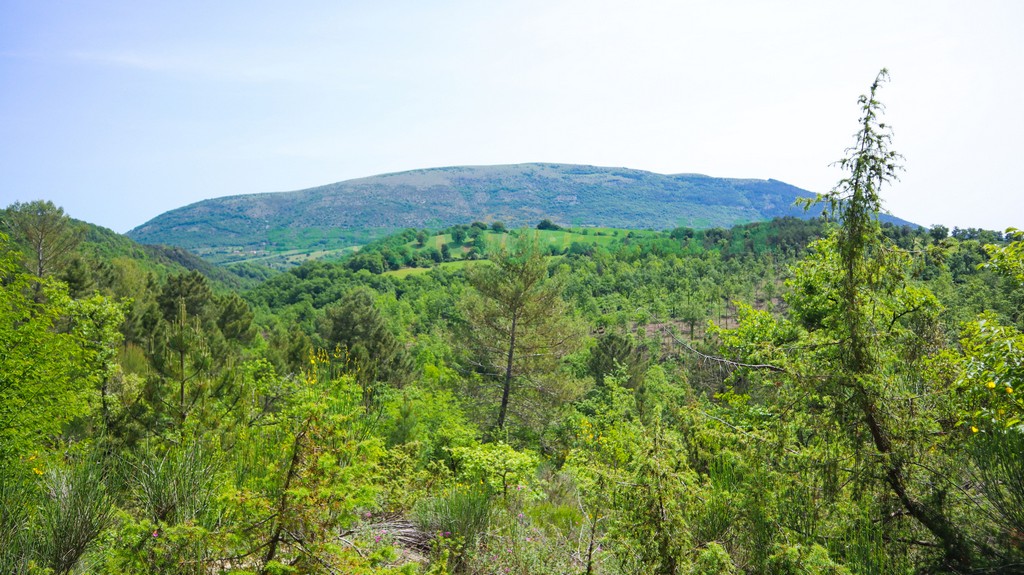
column 832, row 395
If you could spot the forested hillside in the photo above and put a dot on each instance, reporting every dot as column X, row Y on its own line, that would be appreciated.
column 279, row 228
column 827, row 395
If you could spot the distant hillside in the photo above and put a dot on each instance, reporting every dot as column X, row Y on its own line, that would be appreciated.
column 104, row 245
column 354, row 212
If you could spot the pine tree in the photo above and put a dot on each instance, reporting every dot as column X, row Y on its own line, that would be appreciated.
column 355, row 330
column 518, row 326
column 47, row 236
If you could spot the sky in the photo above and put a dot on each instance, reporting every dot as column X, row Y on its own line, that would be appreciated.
column 118, row 111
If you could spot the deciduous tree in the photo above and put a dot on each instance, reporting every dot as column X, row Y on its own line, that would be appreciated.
column 54, row 353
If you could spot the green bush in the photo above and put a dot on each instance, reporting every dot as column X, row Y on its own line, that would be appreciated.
column 76, row 509
column 174, row 486
column 713, row 560
column 802, row 560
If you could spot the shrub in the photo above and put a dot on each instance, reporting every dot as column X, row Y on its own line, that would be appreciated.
column 76, row 509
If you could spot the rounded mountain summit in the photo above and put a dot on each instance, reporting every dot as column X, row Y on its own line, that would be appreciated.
column 356, row 211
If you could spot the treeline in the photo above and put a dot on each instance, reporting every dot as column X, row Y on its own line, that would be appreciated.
column 785, row 237
column 409, row 248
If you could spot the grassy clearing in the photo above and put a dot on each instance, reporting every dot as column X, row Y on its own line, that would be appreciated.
column 450, row 266
column 559, row 240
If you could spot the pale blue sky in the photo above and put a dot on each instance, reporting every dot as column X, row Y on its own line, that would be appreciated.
column 119, row 111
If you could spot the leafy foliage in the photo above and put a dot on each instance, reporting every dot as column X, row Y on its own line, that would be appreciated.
column 56, row 351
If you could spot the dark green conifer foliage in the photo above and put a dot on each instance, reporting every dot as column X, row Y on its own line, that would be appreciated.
column 288, row 348
column 190, row 289
column 517, row 322
column 355, row 328
column 235, row 319
column 184, row 362
column 78, row 278
column 614, row 353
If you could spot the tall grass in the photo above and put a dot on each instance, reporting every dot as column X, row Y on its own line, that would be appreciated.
column 462, row 514
column 17, row 498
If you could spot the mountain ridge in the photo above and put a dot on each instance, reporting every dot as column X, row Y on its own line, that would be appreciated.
column 354, row 211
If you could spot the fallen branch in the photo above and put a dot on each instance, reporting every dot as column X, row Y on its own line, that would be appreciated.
column 725, row 361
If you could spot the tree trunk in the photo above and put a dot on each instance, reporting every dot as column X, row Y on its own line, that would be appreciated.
column 957, row 552
column 508, row 374
column 282, row 506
